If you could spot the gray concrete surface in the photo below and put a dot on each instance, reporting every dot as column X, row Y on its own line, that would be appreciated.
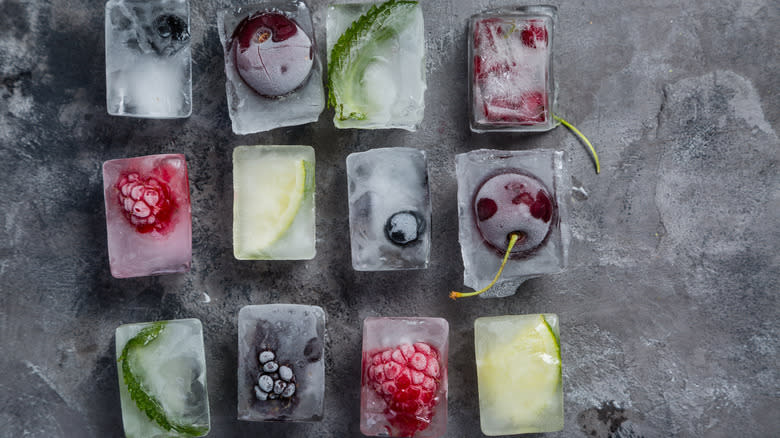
column 669, row 311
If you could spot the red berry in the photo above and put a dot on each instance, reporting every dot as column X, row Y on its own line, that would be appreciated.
column 146, row 203
column 534, row 36
column 486, row 208
column 407, row 378
column 527, row 108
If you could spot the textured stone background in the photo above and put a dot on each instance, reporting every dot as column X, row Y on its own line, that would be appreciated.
column 669, row 311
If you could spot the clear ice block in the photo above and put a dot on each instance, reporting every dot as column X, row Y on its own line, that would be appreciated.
column 281, row 365
column 404, row 377
column 274, row 74
column 511, row 82
column 148, row 219
column 389, row 209
column 273, row 203
column 163, row 361
column 148, row 66
column 376, row 72
column 519, row 374
column 502, row 192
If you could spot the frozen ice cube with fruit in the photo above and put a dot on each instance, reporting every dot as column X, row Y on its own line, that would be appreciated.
column 511, row 80
column 506, row 193
column 273, row 203
column 389, row 209
column 148, row 218
column 274, row 76
column 162, row 379
column 281, row 362
column 148, row 61
column 404, row 377
column 519, row 374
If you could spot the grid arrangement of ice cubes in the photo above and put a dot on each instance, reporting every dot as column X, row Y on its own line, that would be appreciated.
column 148, row 219
column 387, row 343
column 257, row 171
column 513, row 399
column 389, row 209
column 172, row 369
column 280, row 345
column 394, row 82
column 481, row 260
column 250, row 111
column 148, row 61
column 511, row 82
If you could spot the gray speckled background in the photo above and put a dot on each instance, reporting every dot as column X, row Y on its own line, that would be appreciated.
column 669, row 311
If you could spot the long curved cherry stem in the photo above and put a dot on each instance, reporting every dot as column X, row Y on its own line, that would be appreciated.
column 584, row 139
column 512, row 240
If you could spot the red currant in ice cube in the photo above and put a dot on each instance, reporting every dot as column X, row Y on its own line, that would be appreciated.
column 514, row 202
column 534, row 35
column 274, row 56
column 145, row 202
column 528, row 108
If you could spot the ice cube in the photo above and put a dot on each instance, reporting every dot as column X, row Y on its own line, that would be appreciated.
column 519, row 374
column 404, row 377
column 505, row 192
column 164, row 360
column 511, row 82
column 148, row 65
column 274, row 74
column 273, row 210
column 148, row 219
column 389, row 209
column 290, row 384
column 387, row 88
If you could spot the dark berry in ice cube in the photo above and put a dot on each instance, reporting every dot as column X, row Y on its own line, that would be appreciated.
column 275, row 381
column 168, row 34
column 404, row 227
column 274, row 56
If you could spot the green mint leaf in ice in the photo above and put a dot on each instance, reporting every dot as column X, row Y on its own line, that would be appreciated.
column 356, row 49
column 146, row 402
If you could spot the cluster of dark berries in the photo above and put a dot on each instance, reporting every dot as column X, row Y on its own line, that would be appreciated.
column 275, row 381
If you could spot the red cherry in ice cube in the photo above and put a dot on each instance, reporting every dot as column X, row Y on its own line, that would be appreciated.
column 274, row 56
column 145, row 202
column 534, row 36
column 514, row 202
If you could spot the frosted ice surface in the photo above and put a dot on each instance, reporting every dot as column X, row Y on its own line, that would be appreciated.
column 295, row 335
column 480, row 260
column 148, row 62
column 173, row 370
column 138, row 248
column 389, row 209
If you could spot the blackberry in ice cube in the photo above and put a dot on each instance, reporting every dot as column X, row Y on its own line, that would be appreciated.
column 404, row 227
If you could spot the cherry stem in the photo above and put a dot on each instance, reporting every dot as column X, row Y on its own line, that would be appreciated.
column 512, row 240
column 584, row 139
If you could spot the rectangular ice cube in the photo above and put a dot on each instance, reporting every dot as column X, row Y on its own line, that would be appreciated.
column 148, row 219
column 274, row 75
column 404, row 377
column 511, row 82
column 376, row 65
column 148, row 65
column 389, row 209
column 273, row 203
column 505, row 192
column 519, row 374
column 281, row 362
column 162, row 379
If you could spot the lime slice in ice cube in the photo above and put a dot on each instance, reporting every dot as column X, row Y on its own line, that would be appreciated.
column 277, row 185
column 521, row 378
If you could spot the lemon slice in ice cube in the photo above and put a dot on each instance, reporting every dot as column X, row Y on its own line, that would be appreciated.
column 275, row 188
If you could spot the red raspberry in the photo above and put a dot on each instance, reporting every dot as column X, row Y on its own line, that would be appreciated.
column 534, row 36
column 407, row 378
column 146, row 203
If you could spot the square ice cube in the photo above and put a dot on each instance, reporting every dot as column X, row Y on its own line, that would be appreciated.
column 376, row 65
column 519, row 374
column 274, row 75
column 162, row 379
column 511, row 82
column 273, row 203
column 389, row 209
column 148, row 65
column 403, row 389
column 505, row 192
column 148, row 215
column 281, row 366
